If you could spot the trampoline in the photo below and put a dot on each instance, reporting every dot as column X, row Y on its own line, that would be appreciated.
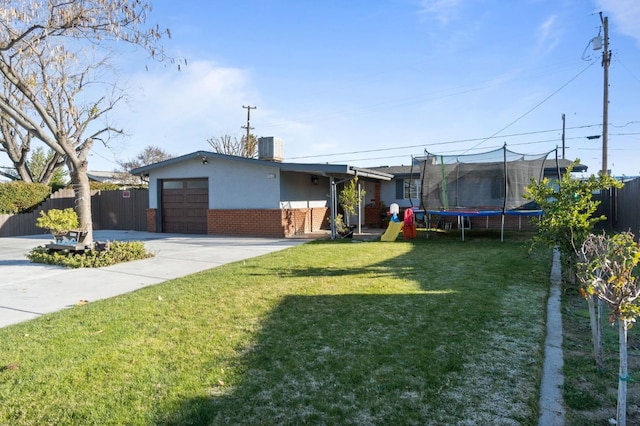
column 467, row 214
column 492, row 183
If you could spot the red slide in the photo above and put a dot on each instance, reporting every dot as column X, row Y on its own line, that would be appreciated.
column 409, row 228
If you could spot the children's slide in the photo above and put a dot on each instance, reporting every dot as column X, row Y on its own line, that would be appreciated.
column 392, row 231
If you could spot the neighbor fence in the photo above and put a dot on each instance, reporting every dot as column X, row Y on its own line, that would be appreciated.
column 621, row 207
column 627, row 207
column 118, row 210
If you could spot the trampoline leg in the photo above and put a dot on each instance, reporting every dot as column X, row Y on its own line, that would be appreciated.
column 426, row 234
column 502, row 230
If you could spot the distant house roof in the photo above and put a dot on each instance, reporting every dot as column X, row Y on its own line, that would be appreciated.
column 120, row 178
column 407, row 171
column 563, row 164
column 335, row 170
column 399, row 171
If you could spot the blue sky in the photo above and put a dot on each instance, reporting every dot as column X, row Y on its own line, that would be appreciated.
column 372, row 83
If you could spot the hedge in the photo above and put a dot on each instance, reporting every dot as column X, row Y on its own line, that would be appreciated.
column 18, row 196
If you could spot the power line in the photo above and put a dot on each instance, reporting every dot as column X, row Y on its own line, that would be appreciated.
column 442, row 143
column 536, row 106
column 457, row 152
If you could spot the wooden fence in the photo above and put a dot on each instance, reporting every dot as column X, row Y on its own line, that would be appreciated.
column 627, row 207
column 120, row 210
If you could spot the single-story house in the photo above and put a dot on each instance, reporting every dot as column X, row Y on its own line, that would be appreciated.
column 209, row 193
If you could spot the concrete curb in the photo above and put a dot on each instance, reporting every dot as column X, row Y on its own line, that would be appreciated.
column 552, row 410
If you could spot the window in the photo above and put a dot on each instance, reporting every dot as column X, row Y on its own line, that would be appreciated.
column 172, row 184
column 197, row 184
column 407, row 188
column 411, row 188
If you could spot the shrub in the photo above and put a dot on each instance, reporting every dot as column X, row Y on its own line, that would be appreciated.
column 104, row 186
column 118, row 252
column 56, row 220
column 19, row 196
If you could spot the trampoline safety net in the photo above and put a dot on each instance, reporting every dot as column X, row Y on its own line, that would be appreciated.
column 494, row 180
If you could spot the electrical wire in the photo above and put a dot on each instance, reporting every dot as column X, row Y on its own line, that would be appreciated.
column 441, row 143
column 537, row 105
column 458, row 151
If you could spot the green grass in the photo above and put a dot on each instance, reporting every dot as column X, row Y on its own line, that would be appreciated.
column 421, row 332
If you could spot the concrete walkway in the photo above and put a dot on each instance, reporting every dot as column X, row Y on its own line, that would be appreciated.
column 552, row 410
column 29, row 290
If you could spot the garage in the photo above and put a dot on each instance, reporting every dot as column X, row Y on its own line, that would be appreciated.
column 184, row 205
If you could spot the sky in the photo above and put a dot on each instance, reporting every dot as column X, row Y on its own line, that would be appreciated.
column 373, row 83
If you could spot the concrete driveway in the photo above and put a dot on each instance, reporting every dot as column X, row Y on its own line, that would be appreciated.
column 29, row 290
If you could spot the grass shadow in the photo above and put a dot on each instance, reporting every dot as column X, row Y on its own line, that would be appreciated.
column 411, row 332
column 366, row 357
column 351, row 359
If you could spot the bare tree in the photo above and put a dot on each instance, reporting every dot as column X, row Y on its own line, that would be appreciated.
column 54, row 71
column 150, row 155
column 229, row 145
column 16, row 143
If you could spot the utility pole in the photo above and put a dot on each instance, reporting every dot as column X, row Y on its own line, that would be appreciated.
column 606, row 60
column 248, row 127
column 563, row 131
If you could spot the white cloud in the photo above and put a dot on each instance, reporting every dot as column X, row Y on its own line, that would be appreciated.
column 625, row 16
column 179, row 111
column 548, row 35
column 443, row 11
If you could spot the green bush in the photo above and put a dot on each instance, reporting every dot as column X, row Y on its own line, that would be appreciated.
column 103, row 186
column 19, row 196
column 118, row 252
column 56, row 220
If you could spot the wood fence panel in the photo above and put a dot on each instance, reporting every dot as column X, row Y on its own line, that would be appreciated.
column 122, row 210
column 109, row 210
column 628, row 207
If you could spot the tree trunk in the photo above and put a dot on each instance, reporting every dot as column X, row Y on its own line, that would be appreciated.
column 621, row 414
column 82, row 192
column 596, row 331
column 599, row 331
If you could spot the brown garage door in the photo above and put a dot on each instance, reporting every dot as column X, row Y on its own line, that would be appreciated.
column 184, row 205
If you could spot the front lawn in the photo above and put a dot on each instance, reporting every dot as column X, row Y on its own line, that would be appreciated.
column 422, row 332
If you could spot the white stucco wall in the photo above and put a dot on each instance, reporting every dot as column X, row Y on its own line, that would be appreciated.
column 232, row 184
column 298, row 191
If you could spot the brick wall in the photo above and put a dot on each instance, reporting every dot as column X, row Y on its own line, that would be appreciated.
column 273, row 223
column 296, row 221
column 152, row 220
column 373, row 216
column 319, row 219
column 254, row 223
